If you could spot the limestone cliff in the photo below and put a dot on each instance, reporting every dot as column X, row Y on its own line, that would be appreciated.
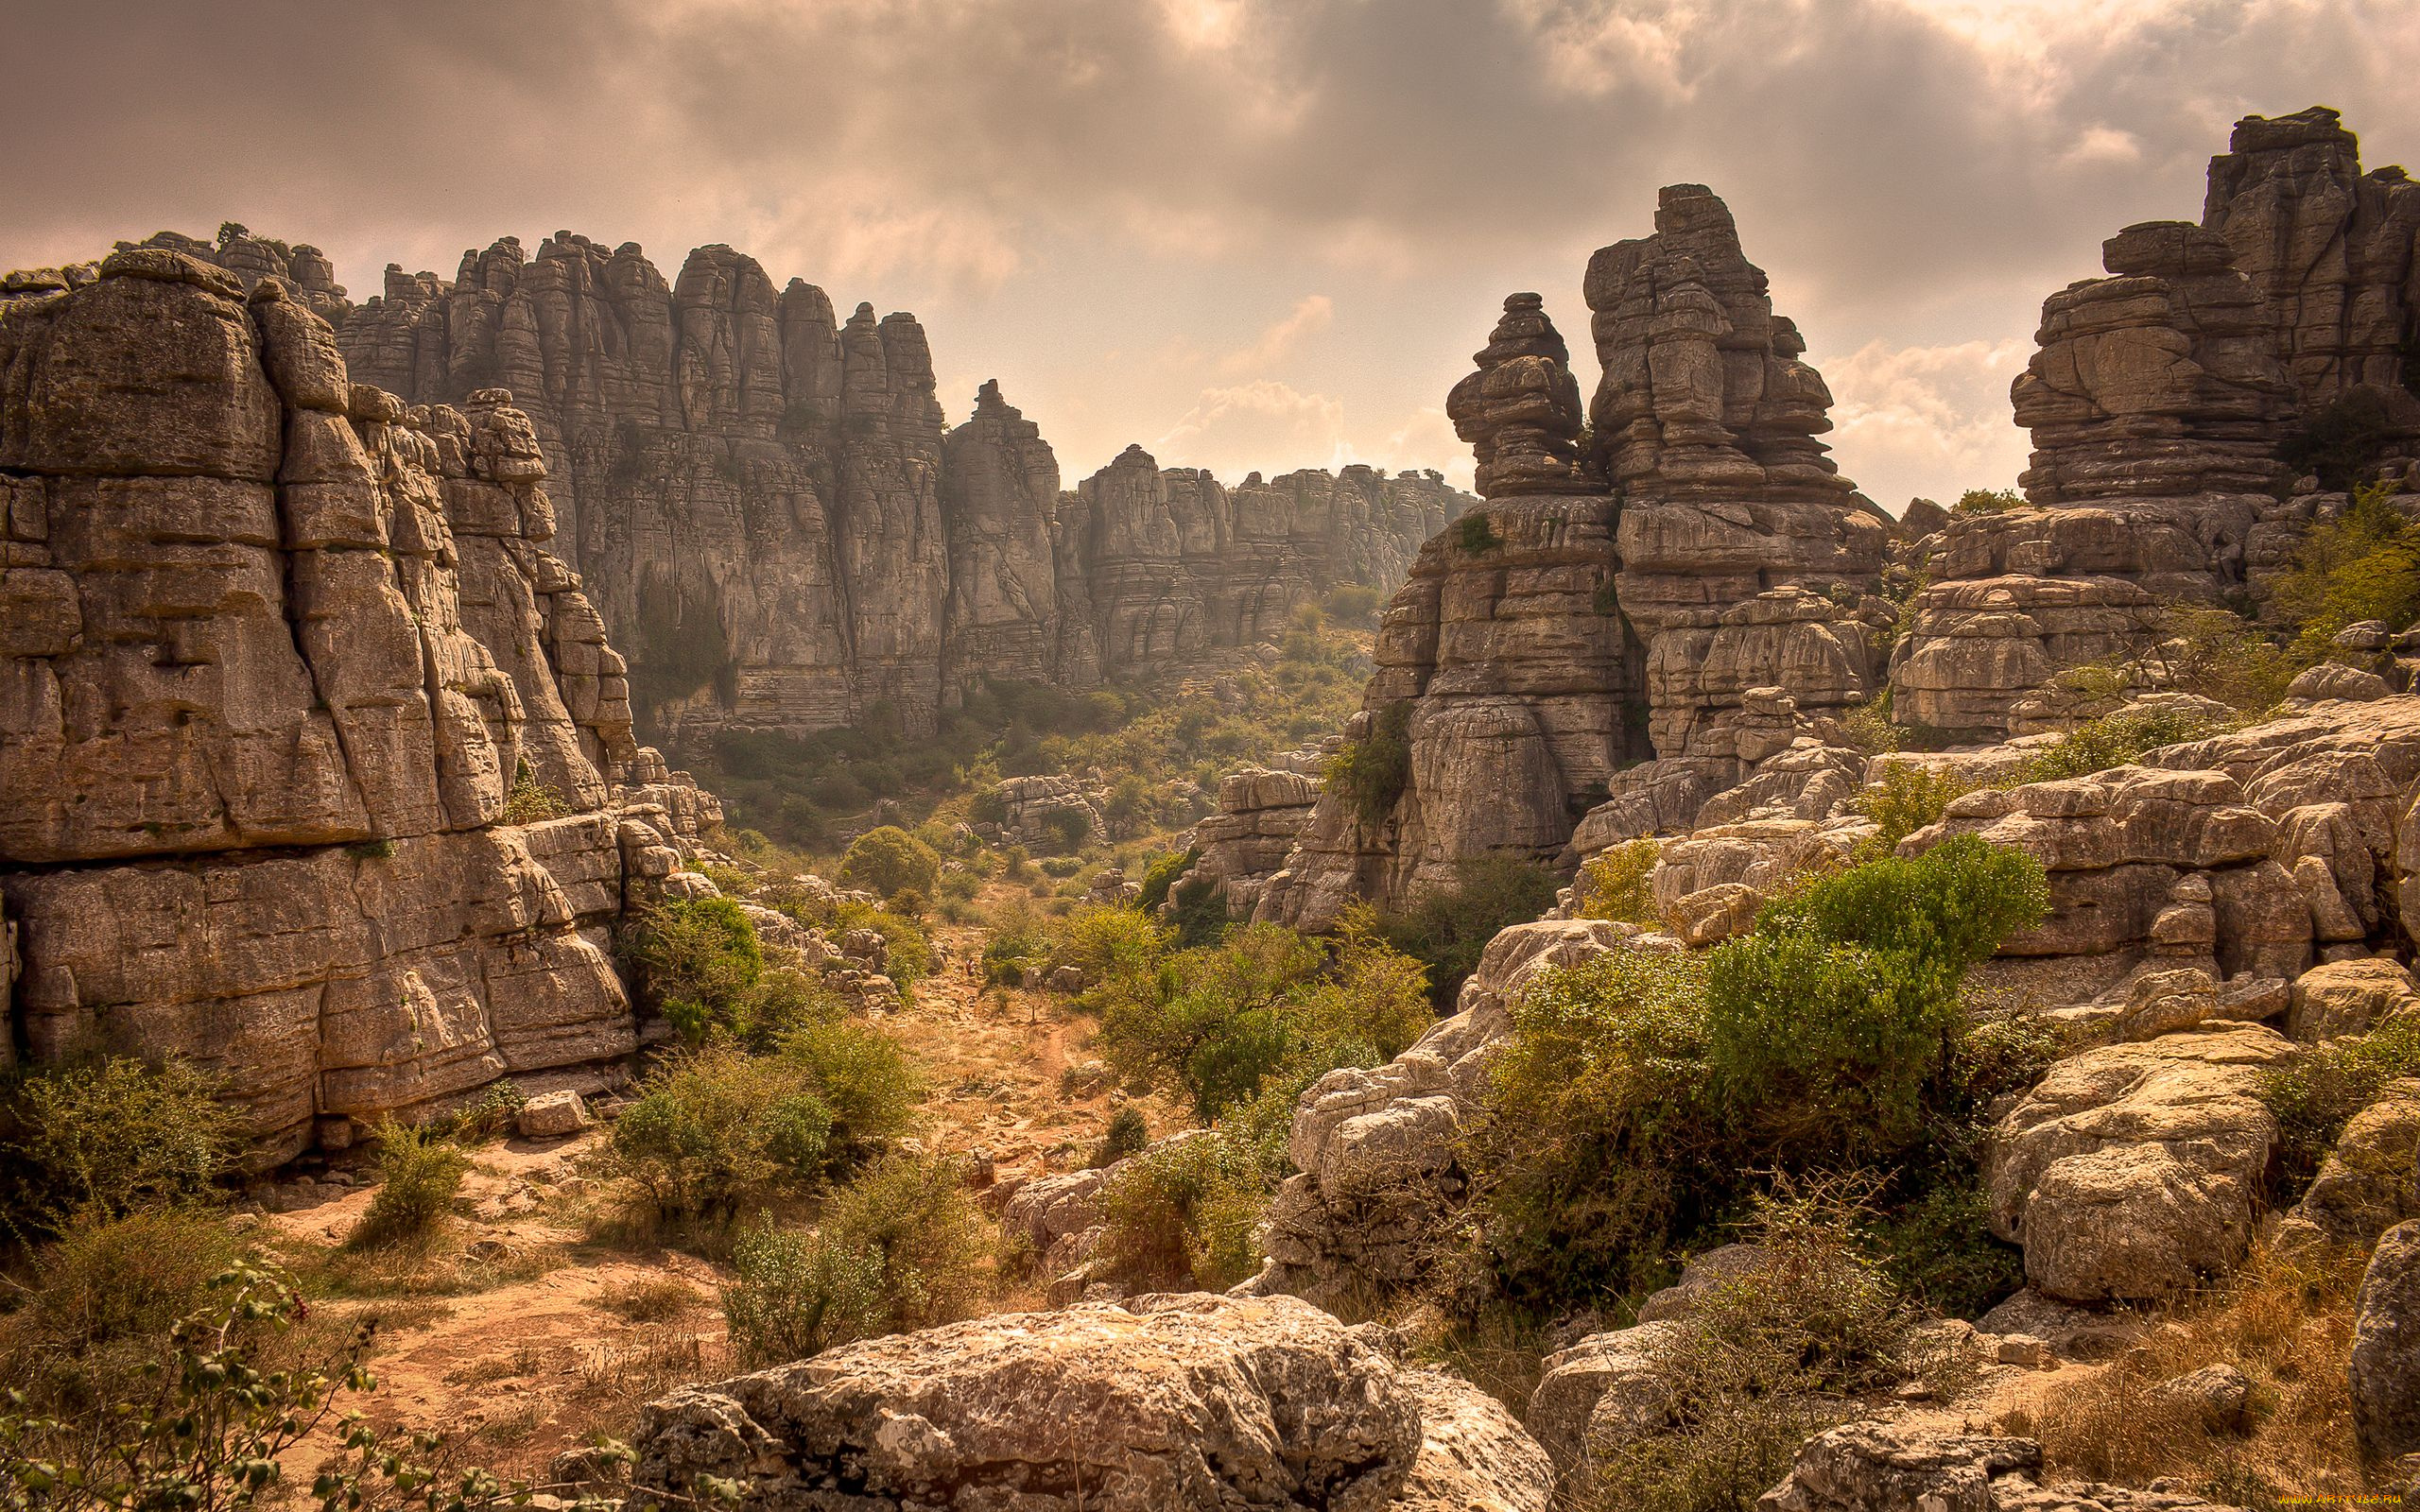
column 278, row 650
column 769, row 515
column 1630, row 623
column 2169, row 402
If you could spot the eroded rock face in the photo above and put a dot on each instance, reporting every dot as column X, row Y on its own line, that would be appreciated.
column 1164, row 1402
column 2130, row 1172
column 769, row 515
column 2158, row 400
column 278, row 650
column 2385, row 1366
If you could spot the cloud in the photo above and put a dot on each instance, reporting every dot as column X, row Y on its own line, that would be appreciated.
column 1045, row 180
column 1311, row 314
column 1926, row 420
column 1255, row 425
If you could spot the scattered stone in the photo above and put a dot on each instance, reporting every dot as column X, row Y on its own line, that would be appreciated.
column 551, row 1115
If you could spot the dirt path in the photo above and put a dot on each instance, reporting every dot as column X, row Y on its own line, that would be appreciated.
column 520, row 1327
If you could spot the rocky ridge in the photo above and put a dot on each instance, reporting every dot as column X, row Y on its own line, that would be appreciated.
column 284, row 655
column 771, row 514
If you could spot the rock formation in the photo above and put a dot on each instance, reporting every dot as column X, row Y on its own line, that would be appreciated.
column 2164, row 402
column 1161, row 1402
column 769, row 514
column 1612, row 652
column 279, row 651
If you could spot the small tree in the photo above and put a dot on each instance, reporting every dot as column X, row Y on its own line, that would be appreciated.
column 887, row 859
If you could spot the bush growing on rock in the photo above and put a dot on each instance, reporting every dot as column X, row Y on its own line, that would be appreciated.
column 1183, row 1216
column 699, row 961
column 1616, row 884
column 2315, row 1095
column 1127, row 1134
column 2364, row 565
column 888, row 859
column 1907, row 798
column 712, row 1130
column 1448, row 927
column 108, row 1137
column 1371, row 772
column 2112, row 740
column 900, row 1247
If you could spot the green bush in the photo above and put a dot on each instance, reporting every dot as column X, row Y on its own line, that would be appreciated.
column 1184, row 1216
column 700, row 962
column 1907, row 798
column 109, row 1137
column 1104, row 942
column 2316, row 1095
column 2364, row 565
column 887, row 859
column 1476, row 533
column 1448, row 927
column 1369, row 773
column 103, row 1300
column 900, row 1247
column 419, row 1173
column 717, row 1128
column 1162, row 874
column 532, row 801
column 1199, row 909
column 1988, row 501
column 863, row 1079
column 2113, row 740
column 1617, row 883
column 1127, row 1135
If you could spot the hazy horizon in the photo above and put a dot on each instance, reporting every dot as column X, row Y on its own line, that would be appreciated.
column 1244, row 235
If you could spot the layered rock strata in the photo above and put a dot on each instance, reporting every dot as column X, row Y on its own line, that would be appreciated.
column 771, row 516
column 1608, row 655
column 279, row 652
column 2162, row 400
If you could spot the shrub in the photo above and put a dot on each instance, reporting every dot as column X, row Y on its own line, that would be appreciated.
column 532, row 801
column 1988, row 501
column 1103, row 942
column 2216, row 654
column 419, row 1173
column 1371, row 772
column 2112, row 740
column 1907, row 798
column 1067, row 827
column 864, row 1080
column 1601, row 1134
column 716, row 1128
column 1352, row 604
column 1616, row 884
column 1127, row 1135
column 1770, row 1358
column 700, row 961
column 900, row 1247
column 1199, row 910
column 1162, row 874
column 1475, row 532
column 1448, row 927
column 1185, row 1215
column 2364, row 565
column 2344, row 441
column 109, row 1137
column 104, row 1298
column 2316, row 1095
column 886, row 859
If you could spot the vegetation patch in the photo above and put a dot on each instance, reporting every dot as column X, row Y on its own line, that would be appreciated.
column 1447, row 927
column 1371, row 772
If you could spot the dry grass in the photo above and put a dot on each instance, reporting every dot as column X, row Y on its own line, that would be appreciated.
column 2289, row 1328
column 651, row 1299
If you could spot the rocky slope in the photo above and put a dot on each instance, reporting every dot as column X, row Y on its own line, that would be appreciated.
column 280, row 650
column 770, row 512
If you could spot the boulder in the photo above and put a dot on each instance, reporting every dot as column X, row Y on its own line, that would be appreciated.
column 1602, row 1392
column 2366, row 1184
column 551, row 1115
column 2340, row 998
column 2131, row 1171
column 1180, row 1401
column 1876, row 1467
column 2385, row 1368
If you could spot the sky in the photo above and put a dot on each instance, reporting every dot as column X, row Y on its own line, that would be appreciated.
column 1245, row 234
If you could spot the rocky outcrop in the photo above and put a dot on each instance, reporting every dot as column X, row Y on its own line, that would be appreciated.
column 2131, row 1171
column 1880, row 1466
column 1627, row 646
column 279, row 651
column 2385, row 1368
column 772, row 519
column 2162, row 400
column 1177, row 1401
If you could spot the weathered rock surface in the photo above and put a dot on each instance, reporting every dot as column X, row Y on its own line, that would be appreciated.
column 2369, row 1182
column 2385, row 1366
column 1874, row 1467
column 1702, row 619
column 1189, row 1402
column 1374, row 1150
column 2130, row 1172
column 278, row 650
